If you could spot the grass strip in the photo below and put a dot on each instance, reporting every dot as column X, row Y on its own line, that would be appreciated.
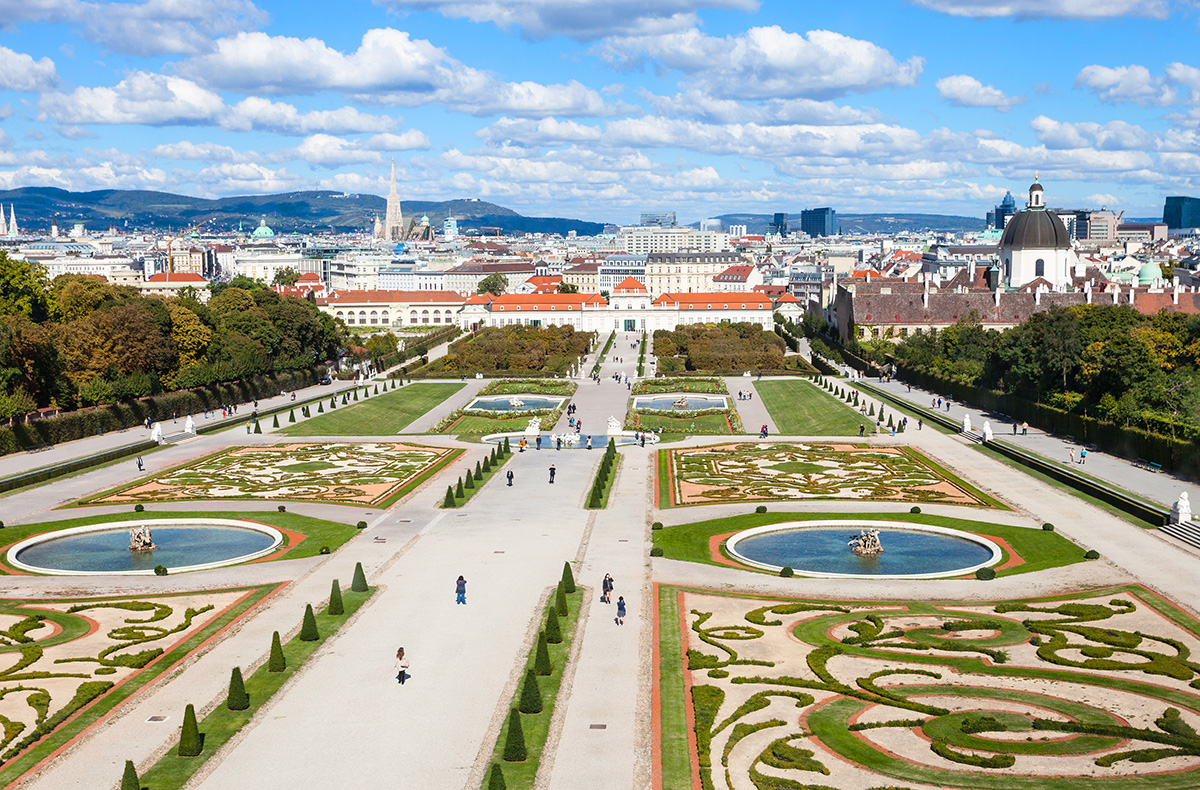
column 800, row 408
column 536, row 726
column 674, row 748
column 379, row 415
column 613, row 460
column 318, row 532
column 603, row 354
column 15, row 768
column 929, row 418
column 1038, row 548
column 220, row 725
column 487, row 475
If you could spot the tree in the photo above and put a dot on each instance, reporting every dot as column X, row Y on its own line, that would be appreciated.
column 568, row 578
column 514, row 740
column 359, row 582
column 189, row 334
column 286, row 276
column 568, row 288
column 531, row 694
column 495, row 284
column 496, row 778
column 277, row 662
column 190, row 741
column 24, row 289
column 238, row 699
column 308, row 627
column 335, row 600
column 541, row 658
column 129, row 779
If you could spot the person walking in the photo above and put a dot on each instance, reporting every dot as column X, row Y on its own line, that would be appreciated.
column 1024, row 429
column 510, row 478
column 862, row 429
column 606, row 588
column 1082, row 457
column 402, row 664
column 589, row 443
column 460, row 591
column 551, row 474
column 1072, row 455
column 920, row 423
column 621, row 610
column 139, row 463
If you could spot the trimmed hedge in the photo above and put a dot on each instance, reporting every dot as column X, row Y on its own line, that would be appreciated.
column 308, row 629
column 277, row 661
column 238, row 699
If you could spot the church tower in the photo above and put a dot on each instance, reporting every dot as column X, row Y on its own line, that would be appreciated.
column 12, row 222
column 393, row 220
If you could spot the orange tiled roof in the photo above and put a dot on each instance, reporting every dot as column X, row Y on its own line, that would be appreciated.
column 514, row 302
column 163, row 278
column 380, row 296
column 630, row 285
column 715, row 301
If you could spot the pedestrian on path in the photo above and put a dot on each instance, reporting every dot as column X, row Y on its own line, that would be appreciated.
column 606, row 588
column 621, row 610
column 460, row 591
column 139, row 463
column 920, row 423
column 589, row 445
column 510, row 478
column 1072, row 455
column 1024, row 428
column 1082, row 457
column 862, row 429
column 539, row 442
column 402, row 664
column 551, row 474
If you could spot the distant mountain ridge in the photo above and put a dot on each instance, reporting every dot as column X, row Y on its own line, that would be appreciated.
column 312, row 211
column 863, row 223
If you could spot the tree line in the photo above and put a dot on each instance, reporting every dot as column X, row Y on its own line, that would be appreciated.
column 80, row 340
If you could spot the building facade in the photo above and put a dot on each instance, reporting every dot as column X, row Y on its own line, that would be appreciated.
column 818, row 222
column 685, row 272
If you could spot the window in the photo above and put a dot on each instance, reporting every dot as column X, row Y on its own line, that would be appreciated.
column 362, row 316
column 374, row 317
column 1039, row 268
column 437, row 316
column 424, row 316
column 412, row 316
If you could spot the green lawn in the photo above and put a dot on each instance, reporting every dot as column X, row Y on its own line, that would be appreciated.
column 319, row 532
column 1039, row 549
column 801, row 409
column 715, row 423
column 473, row 423
column 379, row 415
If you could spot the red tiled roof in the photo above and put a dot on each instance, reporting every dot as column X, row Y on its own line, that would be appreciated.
column 630, row 285
column 376, row 297
column 163, row 278
column 715, row 301
column 735, row 274
column 512, row 302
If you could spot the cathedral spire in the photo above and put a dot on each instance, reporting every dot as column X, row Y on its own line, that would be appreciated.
column 393, row 219
column 12, row 222
column 3, row 224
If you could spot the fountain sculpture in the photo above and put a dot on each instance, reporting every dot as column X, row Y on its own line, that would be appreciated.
column 682, row 403
column 516, row 403
column 867, row 543
column 140, row 540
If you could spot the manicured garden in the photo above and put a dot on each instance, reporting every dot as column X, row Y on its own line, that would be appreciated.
column 729, row 348
column 1038, row 549
column 472, row 480
column 1073, row 692
column 666, row 384
column 799, row 408
column 721, row 423
column 530, row 386
column 515, row 349
column 382, row 415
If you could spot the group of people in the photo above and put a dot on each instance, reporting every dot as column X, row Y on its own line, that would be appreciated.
column 745, row 395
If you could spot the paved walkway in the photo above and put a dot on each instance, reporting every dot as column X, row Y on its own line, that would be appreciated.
column 753, row 412
column 1161, row 487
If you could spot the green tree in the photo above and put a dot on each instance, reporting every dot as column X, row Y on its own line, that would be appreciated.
column 531, row 694
column 129, row 779
column 359, row 582
column 495, row 284
column 308, row 627
column 568, row 288
column 514, row 740
column 286, row 276
column 237, row 699
column 190, row 740
column 24, row 289
column 277, row 662
column 541, row 657
column 189, row 334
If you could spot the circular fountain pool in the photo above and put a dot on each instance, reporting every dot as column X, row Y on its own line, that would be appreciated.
column 819, row 548
column 180, row 545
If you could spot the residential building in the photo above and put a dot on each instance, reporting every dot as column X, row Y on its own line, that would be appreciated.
column 584, row 275
column 646, row 240
column 170, row 284
column 466, row 277
column 684, row 272
column 616, row 268
column 739, row 278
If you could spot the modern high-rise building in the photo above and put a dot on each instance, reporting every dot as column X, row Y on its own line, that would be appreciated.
column 780, row 224
column 997, row 217
column 818, row 222
column 1181, row 212
column 714, row 225
column 661, row 219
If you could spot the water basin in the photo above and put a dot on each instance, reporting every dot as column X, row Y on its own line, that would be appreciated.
column 680, row 402
column 181, row 545
column 820, row 549
column 520, row 402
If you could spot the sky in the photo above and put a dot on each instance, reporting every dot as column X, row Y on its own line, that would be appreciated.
column 603, row 110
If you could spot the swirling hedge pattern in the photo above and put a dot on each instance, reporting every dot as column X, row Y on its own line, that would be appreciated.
column 1094, row 691
column 791, row 472
column 366, row 474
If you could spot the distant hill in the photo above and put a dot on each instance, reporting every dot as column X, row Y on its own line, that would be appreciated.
column 863, row 223
column 293, row 211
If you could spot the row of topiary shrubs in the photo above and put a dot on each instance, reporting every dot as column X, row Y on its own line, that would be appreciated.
column 531, row 703
column 417, row 352
column 598, row 497
column 457, row 495
column 603, row 354
column 191, row 736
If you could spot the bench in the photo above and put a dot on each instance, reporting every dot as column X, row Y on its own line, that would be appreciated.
column 1153, row 467
column 1142, row 462
column 33, row 448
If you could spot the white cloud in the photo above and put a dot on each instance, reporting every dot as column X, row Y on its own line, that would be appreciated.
column 245, row 179
column 388, row 67
column 1126, row 84
column 1056, row 9
column 160, row 100
column 201, row 152
column 410, row 140
column 768, row 62
column 20, row 72
column 963, row 90
column 147, row 28
column 578, row 19
column 700, row 106
column 1102, row 199
column 328, row 151
column 1111, row 136
column 544, row 132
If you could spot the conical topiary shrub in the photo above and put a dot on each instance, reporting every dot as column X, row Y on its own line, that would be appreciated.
column 335, row 600
column 308, row 628
column 478, row 471
column 496, row 778
column 275, row 421
column 560, row 601
column 356, row 393
column 359, row 582
column 458, row 490
column 292, row 415
column 553, row 632
column 470, row 481
column 449, row 500
column 487, row 464
column 333, row 403
column 129, row 779
column 376, row 389
column 238, row 699
column 320, row 408
column 531, row 694
column 568, row 578
column 514, row 741
column 257, row 427
column 507, row 449
column 190, row 743
column 541, row 658
column 277, row 661
column 871, row 411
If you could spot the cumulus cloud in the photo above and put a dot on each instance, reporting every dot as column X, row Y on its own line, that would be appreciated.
column 963, row 90
column 578, row 19
column 1126, row 84
column 701, row 106
column 20, row 72
column 388, row 67
column 145, row 28
column 767, row 62
column 186, row 150
column 1055, row 9
column 161, row 100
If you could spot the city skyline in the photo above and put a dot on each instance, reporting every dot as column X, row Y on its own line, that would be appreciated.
column 570, row 109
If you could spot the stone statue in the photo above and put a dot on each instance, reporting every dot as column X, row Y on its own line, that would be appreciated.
column 140, row 540
column 156, row 433
column 534, row 426
column 190, row 426
column 987, row 431
column 867, row 543
column 966, row 423
column 1181, row 511
column 614, row 425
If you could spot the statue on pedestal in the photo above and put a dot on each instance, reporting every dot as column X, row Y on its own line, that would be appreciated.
column 1181, row 511
column 140, row 540
column 966, row 423
column 987, row 431
column 534, row 426
column 190, row 426
column 156, row 433
column 867, row 543
column 614, row 425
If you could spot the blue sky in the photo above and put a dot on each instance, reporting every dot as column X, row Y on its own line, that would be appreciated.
column 603, row 110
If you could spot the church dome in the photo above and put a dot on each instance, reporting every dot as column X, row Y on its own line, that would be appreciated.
column 1035, row 229
column 1149, row 273
column 263, row 231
